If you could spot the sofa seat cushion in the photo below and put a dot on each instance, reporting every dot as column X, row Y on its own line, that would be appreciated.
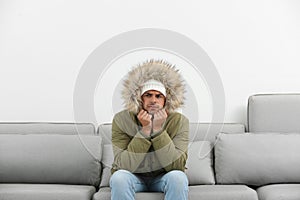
column 224, row 192
column 104, row 194
column 279, row 192
column 207, row 192
column 45, row 192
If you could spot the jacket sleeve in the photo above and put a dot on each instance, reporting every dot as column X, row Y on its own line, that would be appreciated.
column 171, row 148
column 129, row 150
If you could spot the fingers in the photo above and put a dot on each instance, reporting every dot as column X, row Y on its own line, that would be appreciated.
column 161, row 114
column 141, row 113
column 144, row 118
column 144, row 115
column 159, row 119
column 155, row 121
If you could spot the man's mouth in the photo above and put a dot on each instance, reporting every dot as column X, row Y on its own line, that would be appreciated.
column 153, row 107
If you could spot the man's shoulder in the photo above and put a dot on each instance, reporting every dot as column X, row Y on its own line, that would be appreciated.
column 125, row 122
column 123, row 114
column 177, row 117
column 124, row 117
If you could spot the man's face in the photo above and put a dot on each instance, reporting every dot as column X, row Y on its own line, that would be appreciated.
column 153, row 101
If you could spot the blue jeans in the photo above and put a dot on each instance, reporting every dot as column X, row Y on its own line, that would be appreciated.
column 125, row 184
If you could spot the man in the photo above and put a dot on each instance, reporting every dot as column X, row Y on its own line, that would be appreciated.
column 149, row 138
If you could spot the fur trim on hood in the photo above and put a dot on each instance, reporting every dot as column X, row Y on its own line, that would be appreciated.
column 157, row 70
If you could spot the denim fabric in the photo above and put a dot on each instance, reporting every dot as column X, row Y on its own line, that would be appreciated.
column 125, row 184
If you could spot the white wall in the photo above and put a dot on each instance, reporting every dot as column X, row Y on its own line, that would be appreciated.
column 254, row 45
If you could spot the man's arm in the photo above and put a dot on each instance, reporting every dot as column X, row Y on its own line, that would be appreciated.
column 129, row 151
column 171, row 148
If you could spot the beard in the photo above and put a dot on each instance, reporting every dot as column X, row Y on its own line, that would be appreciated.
column 152, row 109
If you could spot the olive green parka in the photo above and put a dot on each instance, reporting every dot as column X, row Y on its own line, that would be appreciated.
column 149, row 156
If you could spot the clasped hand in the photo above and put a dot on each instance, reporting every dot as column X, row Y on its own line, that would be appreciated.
column 152, row 121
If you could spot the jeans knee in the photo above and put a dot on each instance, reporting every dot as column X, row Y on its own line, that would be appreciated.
column 177, row 179
column 120, row 178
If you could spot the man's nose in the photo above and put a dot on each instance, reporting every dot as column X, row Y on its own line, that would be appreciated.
column 153, row 98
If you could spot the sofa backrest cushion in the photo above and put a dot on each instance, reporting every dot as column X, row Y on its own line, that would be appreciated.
column 107, row 161
column 200, row 163
column 209, row 131
column 257, row 159
column 274, row 113
column 50, row 158
column 47, row 128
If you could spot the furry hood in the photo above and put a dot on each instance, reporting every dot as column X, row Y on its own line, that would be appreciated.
column 160, row 71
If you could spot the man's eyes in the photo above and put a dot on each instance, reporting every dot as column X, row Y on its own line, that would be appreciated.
column 157, row 95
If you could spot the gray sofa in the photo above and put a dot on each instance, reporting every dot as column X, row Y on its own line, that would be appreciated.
column 47, row 161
